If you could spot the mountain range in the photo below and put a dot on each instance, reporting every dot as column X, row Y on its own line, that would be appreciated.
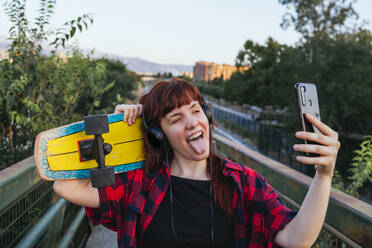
column 133, row 63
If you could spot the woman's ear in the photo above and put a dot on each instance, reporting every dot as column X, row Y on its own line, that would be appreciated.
column 208, row 113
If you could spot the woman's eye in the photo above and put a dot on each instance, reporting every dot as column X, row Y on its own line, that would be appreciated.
column 174, row 121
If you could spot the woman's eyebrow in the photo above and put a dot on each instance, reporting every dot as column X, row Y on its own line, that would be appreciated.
column 173, row 115
column 193, row 105
column 177, row 113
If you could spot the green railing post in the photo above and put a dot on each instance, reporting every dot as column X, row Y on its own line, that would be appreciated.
column 16, row 180
column 39, row 229
column 67, row 237
column 54, row 231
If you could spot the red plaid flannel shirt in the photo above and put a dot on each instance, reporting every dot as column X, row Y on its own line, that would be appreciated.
column 129, row 206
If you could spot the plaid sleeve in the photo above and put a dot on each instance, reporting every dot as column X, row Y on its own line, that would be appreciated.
column 276, row 214
column 111, row 201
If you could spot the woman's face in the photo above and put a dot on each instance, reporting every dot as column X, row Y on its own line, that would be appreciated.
column 187, row 130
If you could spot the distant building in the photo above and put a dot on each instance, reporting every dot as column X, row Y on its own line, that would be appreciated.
column 205, row 71
column 4, row 54
column 187, row 74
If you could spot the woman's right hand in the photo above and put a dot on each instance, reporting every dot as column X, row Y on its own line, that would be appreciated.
column 131, row 112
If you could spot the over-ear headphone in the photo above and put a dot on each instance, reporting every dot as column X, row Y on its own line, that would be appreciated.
column 157, row 137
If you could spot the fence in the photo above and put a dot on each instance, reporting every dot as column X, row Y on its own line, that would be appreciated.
column 267, row 138
column 274, row 140
column 26, row 202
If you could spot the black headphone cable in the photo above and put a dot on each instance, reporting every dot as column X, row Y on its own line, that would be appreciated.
column 171, row 202
column 211, row 184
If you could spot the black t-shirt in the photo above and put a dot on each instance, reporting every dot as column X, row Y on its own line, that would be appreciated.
column 192, row 218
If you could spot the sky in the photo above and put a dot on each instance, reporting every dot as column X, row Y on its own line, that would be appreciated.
column 174, row 31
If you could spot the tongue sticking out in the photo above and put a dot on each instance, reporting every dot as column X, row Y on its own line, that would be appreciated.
column 198, row 145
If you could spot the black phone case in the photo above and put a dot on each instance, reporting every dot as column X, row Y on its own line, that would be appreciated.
column 307, row 102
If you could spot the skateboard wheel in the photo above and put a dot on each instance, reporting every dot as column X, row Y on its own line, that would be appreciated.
column 107, row 148
column 103, row 177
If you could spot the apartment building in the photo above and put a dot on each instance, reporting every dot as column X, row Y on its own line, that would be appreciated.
column 205, row 71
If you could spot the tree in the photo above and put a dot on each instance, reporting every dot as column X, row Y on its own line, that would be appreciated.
column 274, row 68
column 185, row 77
column 319, row 18
column 125, row 82
column 39, row 92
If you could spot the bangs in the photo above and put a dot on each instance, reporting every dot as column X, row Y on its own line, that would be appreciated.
column 176, row 96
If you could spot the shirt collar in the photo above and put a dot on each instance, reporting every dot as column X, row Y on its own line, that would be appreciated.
column 234, row 170
column 232, row 165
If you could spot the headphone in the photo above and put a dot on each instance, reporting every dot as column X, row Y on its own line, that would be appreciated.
column 157, row 137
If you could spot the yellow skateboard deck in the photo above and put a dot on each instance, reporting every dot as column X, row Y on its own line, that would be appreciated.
column 57, row 154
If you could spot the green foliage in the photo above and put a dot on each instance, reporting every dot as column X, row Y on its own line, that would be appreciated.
column 360, row 171
column 185, row 77
column 248, row 136
column 272, row 67
column 164, row 75
column 340, row 69
column 361, row 168
column 336, row 54
column 318, row 18
column 214, row 88
column 68, row 30
column 25, row 81
column 39, row 92
column 337, row 181
column 23, row 32
column 124, row 80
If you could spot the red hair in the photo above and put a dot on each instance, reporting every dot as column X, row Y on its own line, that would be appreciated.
column 162, row 99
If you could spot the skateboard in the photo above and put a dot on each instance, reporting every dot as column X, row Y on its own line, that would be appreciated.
column 97, row 147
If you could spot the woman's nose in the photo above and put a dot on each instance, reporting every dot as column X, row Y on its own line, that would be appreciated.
column 191, row 123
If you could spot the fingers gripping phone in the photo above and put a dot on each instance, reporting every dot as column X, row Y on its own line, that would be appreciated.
column 307, row 102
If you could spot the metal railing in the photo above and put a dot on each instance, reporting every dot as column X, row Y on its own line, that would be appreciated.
column 31, row 215
column 19, row 217
column 267, row 138
column 270, row 136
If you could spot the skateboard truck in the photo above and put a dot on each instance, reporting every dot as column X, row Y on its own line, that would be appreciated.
column 96, row 125
column 86, row 149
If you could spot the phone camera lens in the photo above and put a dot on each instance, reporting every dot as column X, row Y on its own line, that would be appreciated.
column 303, row 100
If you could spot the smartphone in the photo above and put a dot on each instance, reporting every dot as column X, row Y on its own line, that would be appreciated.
column 307, row 102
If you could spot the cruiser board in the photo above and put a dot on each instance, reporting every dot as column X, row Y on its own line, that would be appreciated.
column 58, row 156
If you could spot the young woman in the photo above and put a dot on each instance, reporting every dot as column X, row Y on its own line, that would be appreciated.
column 186, row 196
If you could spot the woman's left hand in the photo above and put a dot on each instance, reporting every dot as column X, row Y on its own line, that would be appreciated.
column 327, row 147
column 131, row 112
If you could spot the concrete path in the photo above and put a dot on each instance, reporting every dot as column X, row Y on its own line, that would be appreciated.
column 101, row 237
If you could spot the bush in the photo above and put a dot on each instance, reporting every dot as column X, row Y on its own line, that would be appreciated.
column 39, row 92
